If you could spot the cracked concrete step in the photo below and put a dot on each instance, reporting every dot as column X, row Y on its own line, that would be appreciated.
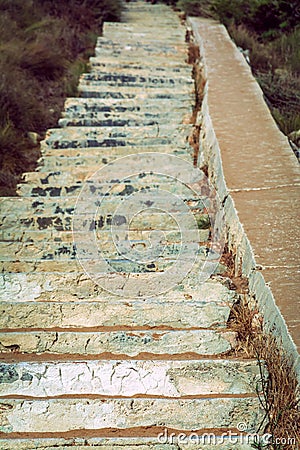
column 117, row 121
column 65, row 206
column 143, row 35
column 127, row 92
column 151, row 174
column 125, row 76
column 45, row 210
column 52, row 232
column 107, row 153
column 103, row 314
column 51, row 162
column 175, row 53
column 174, row 71
column 128, row 119
column 120, row 272
column 60, row 188
column 99, row 157
column 135, row 31
column 127, row 79
column 117, row 136
column 127, row 342
column 89, row 133
column 62, row 415
column 114, row 253
column 78, row 105
column 78, row 286
column 129, row 378
column 159, row 65
column 138, row 443
column 144, row 95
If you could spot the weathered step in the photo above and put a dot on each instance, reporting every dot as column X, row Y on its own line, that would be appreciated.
column 52, row 232
column 47, row 212
column 55, row 159
column 127, row 79
column 130, row 378
column 64, row 188
column 27, row 205
column 161, row 442
column 78, row 286
column 78, row 105
column 62, row 415
column 117, row 121
column 128, row 343
column 116, row 255
column 111, row 238
column 106, row 119
column 133, row 51
column 65, row 206
column 118, row 92
column 146, row 176
column 157, row 63
column 116, row 136
column 124, row 273
column 174, row 71
column 108, row 154
column 169, row 30
column 103, row 314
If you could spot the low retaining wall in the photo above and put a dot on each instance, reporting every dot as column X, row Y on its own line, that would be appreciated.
column 257, row 177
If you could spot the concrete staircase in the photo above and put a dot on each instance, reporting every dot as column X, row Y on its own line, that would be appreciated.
column 85, row 363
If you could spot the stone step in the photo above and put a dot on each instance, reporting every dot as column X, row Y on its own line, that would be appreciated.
column 161, row 442
column 116, row 136
column 148, row 173
column 126, row 277
column 117, row 121
column 119, row 150
column 175, row 53
column 129, row 378
column 142, row 105
column 169, row 31
column 106, row 219
column 59, row 188
column 66, row 205
column 106, row 119
column 79, row 286
column 162, row 65
column 128, row 92
column 55, row 160
column 114, row 253
column 173, row 71
column 127, row 79
column 131, row 343
column 52, row 233
column 63, row 415
column 101, row 314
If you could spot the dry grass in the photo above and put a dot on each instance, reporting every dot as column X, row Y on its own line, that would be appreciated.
column 280, row 394
column 44, row 47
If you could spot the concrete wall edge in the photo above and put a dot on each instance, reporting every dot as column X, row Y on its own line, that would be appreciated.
column 210, row 155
